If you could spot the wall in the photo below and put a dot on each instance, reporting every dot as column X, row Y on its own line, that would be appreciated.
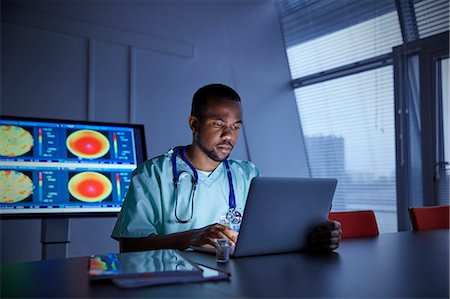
column 141, row 62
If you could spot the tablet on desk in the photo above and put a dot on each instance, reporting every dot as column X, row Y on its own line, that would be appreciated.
column 152, row 263
column 279, row 214
column 149, row 268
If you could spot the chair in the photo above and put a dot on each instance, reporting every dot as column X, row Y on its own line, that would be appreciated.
column 355, row 224
column 429, row 217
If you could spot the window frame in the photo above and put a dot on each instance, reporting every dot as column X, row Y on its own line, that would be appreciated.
column 429, row 50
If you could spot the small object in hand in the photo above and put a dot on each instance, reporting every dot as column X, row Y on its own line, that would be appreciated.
column 224, row 221
column 235, row 226
column 222, row 250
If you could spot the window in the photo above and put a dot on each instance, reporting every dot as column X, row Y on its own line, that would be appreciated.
column 362, row 41
column 360, row 127
column 343, row 78
column 443, row 114
column 421, row 99
column 348, row 126
column 431, row 16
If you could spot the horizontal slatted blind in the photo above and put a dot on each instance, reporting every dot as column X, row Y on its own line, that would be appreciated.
column 432, row 17
column 348, row 126
column 303, row 20
column 347, row 122
column 361, row 41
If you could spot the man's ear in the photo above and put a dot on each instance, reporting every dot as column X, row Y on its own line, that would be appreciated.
column 193, row 123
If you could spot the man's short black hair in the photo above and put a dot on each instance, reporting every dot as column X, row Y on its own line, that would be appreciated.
column 211, row 92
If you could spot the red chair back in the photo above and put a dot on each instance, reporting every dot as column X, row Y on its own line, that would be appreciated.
column 355, row 224
column 430, row 217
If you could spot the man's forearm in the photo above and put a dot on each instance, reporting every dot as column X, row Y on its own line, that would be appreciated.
column 173, row 241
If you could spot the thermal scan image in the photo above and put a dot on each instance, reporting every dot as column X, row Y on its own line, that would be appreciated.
column 88, row 144
column 90, row 186
column 15, row 141
column 15, row 186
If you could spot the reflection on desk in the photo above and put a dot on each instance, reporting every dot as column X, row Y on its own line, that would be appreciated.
column 404, row 264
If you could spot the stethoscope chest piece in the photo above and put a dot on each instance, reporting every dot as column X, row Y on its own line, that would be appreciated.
column 234, row 216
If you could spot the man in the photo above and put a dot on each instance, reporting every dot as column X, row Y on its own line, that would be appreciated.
column 210, row 187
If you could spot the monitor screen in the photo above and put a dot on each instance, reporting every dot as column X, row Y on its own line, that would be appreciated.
column 50, row 166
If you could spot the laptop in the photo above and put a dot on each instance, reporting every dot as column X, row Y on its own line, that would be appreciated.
column 280, row 213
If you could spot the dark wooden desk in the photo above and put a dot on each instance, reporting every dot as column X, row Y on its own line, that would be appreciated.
column 405, row 264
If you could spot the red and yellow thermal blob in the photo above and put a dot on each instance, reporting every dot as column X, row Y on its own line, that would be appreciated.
column 88, row 144
column 96, row 264
column 90, row 186
column 15, row 141
column 14, row 186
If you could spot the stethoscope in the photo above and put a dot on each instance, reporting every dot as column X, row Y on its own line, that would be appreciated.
column 233, row 216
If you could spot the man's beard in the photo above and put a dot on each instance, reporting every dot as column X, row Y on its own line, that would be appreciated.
column 210, row 153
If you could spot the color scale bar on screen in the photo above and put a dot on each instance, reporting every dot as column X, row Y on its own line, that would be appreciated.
column 40, row 185
column 119, row 193
column 116, row 150
column 40, row 141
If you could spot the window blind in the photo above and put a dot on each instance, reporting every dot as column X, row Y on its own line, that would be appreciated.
column 365, row 40
column 303, row 20
column 347, row 120
column 432, row 17
column 348, row 126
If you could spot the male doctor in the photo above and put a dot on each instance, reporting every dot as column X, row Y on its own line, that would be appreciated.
column 186, row 196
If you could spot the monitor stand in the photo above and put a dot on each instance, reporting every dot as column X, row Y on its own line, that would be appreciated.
column 55, row 238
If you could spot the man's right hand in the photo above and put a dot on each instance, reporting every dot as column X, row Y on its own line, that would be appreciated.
column 182, row 240
column 209, row 234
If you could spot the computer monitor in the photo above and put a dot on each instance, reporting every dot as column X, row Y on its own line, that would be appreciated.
column 53, row 167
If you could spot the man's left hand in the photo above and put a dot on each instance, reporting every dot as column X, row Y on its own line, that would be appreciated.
column 325, row 237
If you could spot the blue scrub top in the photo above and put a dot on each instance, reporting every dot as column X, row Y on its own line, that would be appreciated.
column 149, row 206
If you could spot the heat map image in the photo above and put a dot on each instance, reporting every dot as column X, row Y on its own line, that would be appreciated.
column 88, row 144
column 14, row 186
column 90, row 186
column 15, row 141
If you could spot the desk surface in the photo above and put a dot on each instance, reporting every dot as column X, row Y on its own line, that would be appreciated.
column 405, row 264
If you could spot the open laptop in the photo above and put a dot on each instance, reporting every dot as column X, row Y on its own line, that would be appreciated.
column 280, row 213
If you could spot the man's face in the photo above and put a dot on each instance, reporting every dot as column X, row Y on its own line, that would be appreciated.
column 216, row 132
